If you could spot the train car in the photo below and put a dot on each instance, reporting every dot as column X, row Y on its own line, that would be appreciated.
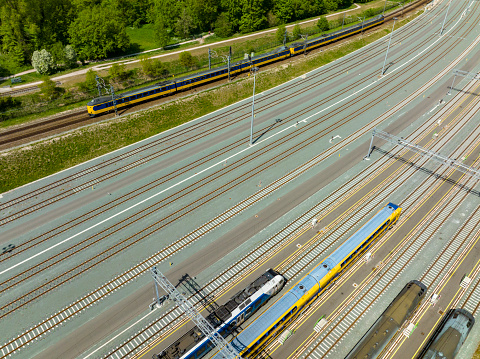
column 334, row 36
column 449, row 335
column 250, row 342
column 382, row 331
column 104, row 104
column 226, row 318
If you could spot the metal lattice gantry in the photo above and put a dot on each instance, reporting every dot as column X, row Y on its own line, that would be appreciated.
column 225, row 348
column 423, row 152
column 461, row 73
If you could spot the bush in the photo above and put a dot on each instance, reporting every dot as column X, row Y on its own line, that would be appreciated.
column 280, row 34
column 49, row 89
column 153, row 68
column 117, row 72
column 322, row 24
column 43, row 62
column 7, row 103
column 187, row 60
column 90, row 84
column 296, row 31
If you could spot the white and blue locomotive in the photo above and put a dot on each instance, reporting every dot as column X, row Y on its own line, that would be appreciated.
column 194, row 345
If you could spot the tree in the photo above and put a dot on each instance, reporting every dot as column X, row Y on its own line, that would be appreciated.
column 117, row 72
column 187, row 60
column 330, row 5
column 322, row 24
column 184, row 24
column 234, row 11
column 70, row 56
column 162, row 14
column 48, row 22
column 13, row 35
column 48, row 88
column 8, row 102
column 253, row 15
column 96, row 33
column 280, row 34
column 222, row 26
column 284, row 10
column 296, row 31
column 43, row 62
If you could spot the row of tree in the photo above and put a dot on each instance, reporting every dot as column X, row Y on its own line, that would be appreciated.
column 96, row 29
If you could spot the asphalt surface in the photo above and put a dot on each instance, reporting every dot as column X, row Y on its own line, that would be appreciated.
column 107, row 324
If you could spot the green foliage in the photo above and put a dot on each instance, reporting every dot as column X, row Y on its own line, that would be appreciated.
column 117, row 72
column 284, row 10
column 223, row 28
column 280, row 34
column 153, row 68
column 187, row 60
column 89, row 86
column 70, row 56
column 49, row 89
column 184, row 24
column 330, row 5
column 96, row 33
column 296, row 31
column 253, row 15
column 43, row 62
column 8, row 102
column 322, row 24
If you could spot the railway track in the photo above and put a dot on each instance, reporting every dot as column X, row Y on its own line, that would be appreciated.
column 69, row 225
column 215, row 127
column 70, row 121
column 361, row 300
column 315, row 250
column 127, row 242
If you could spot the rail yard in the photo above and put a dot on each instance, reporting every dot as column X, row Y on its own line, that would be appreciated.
column 213, row 213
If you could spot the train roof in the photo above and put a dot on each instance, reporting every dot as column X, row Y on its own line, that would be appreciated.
column 349, row 245
column 268, row 317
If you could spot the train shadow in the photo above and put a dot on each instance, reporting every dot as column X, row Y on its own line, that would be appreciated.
column 427, row 171
column 207, row 300
column 277, row 121
column 462, row 91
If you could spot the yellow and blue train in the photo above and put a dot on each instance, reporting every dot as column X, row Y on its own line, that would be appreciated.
column 250, row 342
column 103, row 104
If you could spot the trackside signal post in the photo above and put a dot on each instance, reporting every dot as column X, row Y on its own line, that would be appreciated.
column 225, row 349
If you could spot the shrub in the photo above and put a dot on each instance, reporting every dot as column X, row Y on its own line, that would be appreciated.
column 7, row 103
column 296, row 31
column 153, row 68
column 280, row 34
column 117, row 72
column 322, row 24
column 187, row 60
column 49, row 89
column 43, row 62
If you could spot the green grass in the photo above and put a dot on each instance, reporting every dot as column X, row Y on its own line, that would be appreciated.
column 143, row 37
column 20, row 166
column 31, row 77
